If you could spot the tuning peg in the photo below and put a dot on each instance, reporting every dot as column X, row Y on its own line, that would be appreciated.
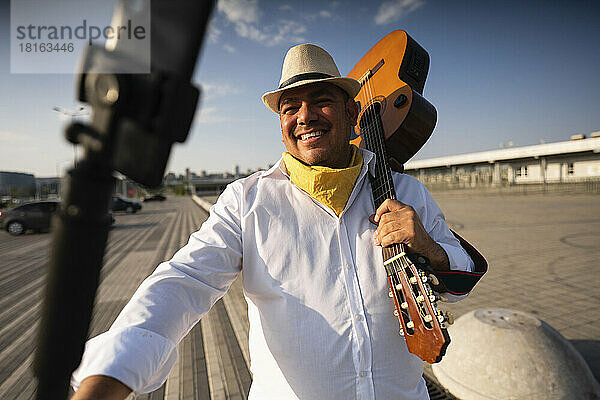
column 404, row 305
column 428, row 318
column 399, row 286
column 401, row 332
column 395, row 312
column 413, row 280
column 449, row 317
column 410, row 324
column 433, row 298
column 420, row 298
column 433, row 279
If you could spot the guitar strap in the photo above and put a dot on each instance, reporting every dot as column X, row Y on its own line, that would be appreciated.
column 461, row 282
column 455, row 282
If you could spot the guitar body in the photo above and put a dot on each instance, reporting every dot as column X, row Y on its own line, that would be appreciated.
column 393, row 75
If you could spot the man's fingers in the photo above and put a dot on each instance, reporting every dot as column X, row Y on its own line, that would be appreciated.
column 387, row 206
column 387, row 227
column 395, row 237
column 392, row 232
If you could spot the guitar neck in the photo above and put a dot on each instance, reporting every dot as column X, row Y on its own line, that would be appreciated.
column 382, row 183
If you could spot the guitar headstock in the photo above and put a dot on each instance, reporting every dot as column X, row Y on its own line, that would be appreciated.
column 423, row 324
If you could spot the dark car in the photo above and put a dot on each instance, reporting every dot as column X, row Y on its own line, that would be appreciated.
column 121, row 204
column 155, row 197
column 34, row 215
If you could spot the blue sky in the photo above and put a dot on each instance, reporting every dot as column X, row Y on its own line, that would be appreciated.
column 505, row 71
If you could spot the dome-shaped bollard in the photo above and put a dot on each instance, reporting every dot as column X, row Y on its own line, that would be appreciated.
column 500, row 354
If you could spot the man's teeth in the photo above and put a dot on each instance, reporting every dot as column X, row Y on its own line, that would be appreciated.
column 311, row 135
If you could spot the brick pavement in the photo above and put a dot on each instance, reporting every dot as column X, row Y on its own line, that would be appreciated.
column 543, row 251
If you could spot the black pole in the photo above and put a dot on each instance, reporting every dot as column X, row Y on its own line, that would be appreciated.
column 80, row 234
column 132, row 134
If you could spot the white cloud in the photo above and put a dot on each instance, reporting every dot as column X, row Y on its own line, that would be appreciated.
column 250, row 31
column 209, row 115
column 287, row 31
column 390, row 11
column 228, row 48
column 217, row 115
column 325, row 14
column 213, row 33
column 245, row 17
column 212, row 90
column 239, row 11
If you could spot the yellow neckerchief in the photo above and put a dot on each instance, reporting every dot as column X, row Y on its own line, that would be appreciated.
column 330, row 186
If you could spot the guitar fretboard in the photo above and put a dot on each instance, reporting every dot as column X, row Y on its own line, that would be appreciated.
column 382, row 183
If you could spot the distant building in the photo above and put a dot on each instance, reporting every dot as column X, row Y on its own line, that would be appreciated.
column 577, row 160
column 48, row 187
column 17, row 184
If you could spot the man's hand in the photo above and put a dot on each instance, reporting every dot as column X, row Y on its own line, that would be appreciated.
column 399, row 223
column 100, row 387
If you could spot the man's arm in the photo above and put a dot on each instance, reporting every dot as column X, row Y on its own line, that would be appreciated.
column 101, row 387
column 140, row 348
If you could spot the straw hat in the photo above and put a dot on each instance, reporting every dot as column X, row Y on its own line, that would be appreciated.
column 305, row 64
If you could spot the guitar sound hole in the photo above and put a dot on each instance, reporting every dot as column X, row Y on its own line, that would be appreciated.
column 370, row 114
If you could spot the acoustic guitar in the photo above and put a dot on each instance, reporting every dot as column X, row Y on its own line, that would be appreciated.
column 394, row 123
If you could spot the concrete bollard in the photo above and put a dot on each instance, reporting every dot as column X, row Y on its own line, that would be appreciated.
column 504, row 354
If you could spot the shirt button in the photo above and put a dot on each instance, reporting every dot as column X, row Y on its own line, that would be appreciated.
column 358, row 317
column 348, row 266
column 362, row 374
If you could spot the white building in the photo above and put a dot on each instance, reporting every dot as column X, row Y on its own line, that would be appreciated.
column 561, row 162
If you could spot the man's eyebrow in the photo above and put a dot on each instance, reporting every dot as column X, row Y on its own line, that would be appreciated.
column 320, row 92
column 288, row 100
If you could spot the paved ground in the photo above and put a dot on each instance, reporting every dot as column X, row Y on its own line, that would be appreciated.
column 543, row 252
column 213, row 356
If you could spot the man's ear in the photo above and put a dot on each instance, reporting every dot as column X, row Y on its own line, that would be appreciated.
column 352, row 111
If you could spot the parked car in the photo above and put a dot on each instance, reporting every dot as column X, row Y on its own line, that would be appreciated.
column 155, row 197
column 121, row 204
column 35, row 215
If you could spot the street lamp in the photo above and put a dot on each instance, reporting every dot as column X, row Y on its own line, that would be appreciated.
column 72, row 114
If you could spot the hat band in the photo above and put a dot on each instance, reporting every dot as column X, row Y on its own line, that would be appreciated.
column 304, row 77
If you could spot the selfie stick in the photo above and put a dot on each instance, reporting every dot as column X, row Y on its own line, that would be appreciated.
column 135, row 120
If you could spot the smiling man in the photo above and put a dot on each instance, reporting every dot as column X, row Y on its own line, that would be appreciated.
column 306, row 236
column 316, row 122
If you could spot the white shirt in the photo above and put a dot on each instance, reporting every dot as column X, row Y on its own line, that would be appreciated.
column 321, row 323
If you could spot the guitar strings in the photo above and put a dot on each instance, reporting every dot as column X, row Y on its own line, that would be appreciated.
column 374, row 141
column 376, row 137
